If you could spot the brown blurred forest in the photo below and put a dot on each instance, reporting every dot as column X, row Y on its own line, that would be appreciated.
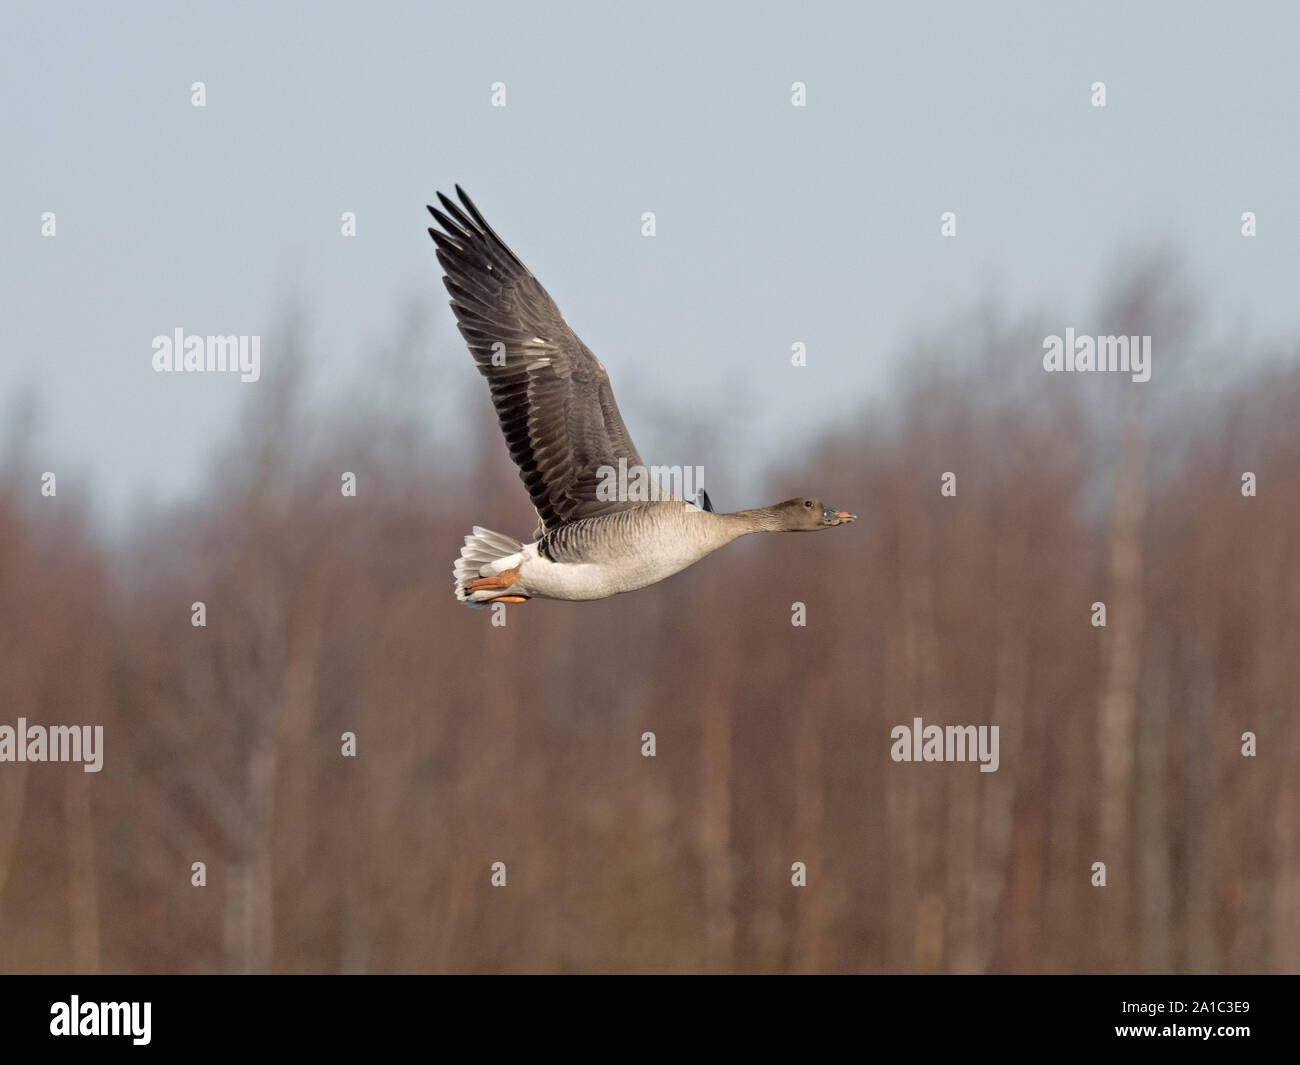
column 522, row 744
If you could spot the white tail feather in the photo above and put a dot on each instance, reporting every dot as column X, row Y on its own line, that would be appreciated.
column 485, row 554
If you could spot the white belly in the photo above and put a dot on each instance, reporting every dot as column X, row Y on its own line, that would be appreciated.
column 544, row 579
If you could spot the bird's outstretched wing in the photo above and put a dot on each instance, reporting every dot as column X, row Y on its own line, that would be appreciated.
column 552, row 395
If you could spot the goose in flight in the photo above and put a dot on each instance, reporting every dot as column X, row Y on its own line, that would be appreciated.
column 562, row 426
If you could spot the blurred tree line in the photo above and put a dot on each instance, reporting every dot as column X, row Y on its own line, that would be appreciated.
column 522, row 744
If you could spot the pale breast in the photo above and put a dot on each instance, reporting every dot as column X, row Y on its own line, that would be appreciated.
column 621, row 552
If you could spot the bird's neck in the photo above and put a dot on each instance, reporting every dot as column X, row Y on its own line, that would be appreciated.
column 760, row 519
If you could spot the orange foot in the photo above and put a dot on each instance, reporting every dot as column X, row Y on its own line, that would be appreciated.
column 509, row 599
column 503, row 580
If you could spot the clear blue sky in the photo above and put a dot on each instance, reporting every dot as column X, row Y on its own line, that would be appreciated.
column 775, row 224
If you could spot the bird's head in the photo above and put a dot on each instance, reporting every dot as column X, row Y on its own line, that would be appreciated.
column 803, row 514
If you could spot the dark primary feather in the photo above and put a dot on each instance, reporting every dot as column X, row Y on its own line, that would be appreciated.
column 552, row 395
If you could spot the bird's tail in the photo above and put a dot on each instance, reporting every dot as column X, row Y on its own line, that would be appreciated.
column 485, row 554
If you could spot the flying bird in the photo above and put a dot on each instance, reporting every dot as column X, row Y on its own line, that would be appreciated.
column 564, row 431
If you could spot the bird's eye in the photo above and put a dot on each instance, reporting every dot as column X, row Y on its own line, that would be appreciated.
column 808, row 503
